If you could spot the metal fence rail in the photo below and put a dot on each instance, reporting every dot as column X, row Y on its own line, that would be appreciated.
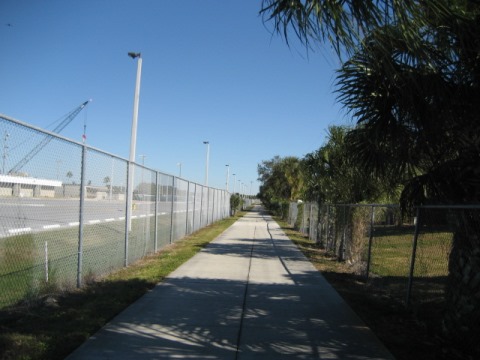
column 404, row 258
column 64, row 216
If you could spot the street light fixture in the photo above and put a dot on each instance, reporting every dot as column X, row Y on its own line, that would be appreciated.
column 206, row 162
column 234, row 182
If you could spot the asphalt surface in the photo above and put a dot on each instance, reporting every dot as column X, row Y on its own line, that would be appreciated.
column 31, row 215
column 250, row 294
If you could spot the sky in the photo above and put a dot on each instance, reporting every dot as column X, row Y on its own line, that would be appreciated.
column 212, row 70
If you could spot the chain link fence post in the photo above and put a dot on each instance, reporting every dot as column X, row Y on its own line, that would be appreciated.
column 155, row 225
column 81, row 218
column 370, row 240
column 412, row 260
column 186, row 207
column 128, row 212
column 172, row 210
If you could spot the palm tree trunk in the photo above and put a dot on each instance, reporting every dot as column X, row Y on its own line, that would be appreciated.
column 462, row 314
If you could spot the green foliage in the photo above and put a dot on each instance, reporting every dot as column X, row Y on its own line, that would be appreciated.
column 52, row 328
column 282, row 181
column 332, row 174
column 412, row 82
column 416, row 109
column 279, row 208
column 236, row 203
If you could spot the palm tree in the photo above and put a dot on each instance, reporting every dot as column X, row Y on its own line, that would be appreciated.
column 418, row 123
column 342, row 24
column 69, row 175
column 412, row 81
column 333, row 175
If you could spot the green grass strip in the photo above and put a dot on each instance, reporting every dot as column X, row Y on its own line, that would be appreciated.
column 57, row 324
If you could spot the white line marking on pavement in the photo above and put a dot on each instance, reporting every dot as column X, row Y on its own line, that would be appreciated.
column 19, row 205
column 94, row 221
column 74, row 223
column 19, row 230
column 109, row 220
column 54, row 226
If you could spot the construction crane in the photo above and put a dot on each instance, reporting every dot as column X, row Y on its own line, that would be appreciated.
column 68, row 118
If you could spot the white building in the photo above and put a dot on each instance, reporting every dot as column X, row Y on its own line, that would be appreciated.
column 27, row 186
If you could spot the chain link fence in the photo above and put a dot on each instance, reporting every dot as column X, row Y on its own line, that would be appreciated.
column 406, row 258
column 68, row 216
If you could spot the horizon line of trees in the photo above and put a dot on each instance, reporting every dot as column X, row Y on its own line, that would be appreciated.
column 330, row 174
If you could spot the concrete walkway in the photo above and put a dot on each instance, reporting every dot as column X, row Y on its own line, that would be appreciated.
column 250, row 294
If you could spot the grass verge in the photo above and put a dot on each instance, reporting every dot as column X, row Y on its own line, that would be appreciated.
column 56, row 324
column 408, row 334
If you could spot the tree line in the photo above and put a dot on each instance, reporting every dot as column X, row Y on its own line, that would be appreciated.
column 330, row 174
column 410, row 79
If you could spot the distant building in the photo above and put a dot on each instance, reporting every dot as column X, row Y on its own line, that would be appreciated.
column 27, row 186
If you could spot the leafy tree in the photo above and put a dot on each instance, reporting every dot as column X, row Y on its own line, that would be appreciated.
column 281, row 179
column 419, row 120
column 343, row 24
column 106, row 181
column 412, row 82
column 235, row 203
column 333, row 175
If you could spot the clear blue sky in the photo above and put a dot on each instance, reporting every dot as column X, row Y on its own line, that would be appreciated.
column 211, row 71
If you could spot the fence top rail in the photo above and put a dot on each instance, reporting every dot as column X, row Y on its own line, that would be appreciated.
column 464, row 206
column 58, row 136
column 365, row 205
column 458, row 206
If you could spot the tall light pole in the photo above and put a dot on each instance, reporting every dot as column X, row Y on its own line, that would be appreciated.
column 206, row 162
column 234, row 182
column 180, row 169
column 228, row 175
column 133, row 138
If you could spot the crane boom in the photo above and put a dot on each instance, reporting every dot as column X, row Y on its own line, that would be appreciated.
column 68, row 118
